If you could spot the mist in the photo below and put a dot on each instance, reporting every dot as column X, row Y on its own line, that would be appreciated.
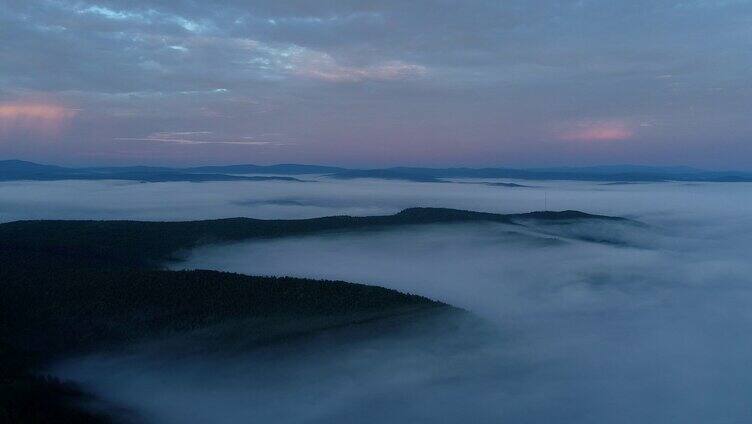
column 322, row 196
column 648, row 323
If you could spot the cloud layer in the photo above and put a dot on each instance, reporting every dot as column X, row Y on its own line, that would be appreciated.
column 646, row 329
column 650, row 327
column 357, row 83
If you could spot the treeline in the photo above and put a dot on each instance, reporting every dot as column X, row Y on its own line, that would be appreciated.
column 113, row 244
column 47, row 314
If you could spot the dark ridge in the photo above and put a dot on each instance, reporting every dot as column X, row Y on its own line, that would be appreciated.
column 385, row 174
column 14, row 165
column 513, row 185
column 157, row 177
column 146, row 177
column 491, row 184
column 20, row 170
column 616, row 183
column 49, row 313
column 438, row 215
column 596, row 173
column 113, row 244
column 567, row 215
column 15, row 170
column 137, row 168
column 282, row 169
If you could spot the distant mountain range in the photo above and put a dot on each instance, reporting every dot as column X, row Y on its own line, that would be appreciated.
column 15, row 170
column 625, row 173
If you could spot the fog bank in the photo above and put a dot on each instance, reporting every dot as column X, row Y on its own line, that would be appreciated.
column 649, row 329
column 649, row 325
column 325, row 197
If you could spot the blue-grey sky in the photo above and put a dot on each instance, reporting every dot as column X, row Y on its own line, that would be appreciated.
column 374, row 83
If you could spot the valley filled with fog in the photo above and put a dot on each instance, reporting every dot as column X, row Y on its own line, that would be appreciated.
column 322, row 196
column 643, row 320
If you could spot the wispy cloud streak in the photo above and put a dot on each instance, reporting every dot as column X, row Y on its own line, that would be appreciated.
column 199, row 137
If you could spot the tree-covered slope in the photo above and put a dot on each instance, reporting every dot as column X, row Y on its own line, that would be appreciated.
column 45, row 314
column 136, row 243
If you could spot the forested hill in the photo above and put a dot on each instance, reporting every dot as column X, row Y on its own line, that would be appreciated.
column 80, row 286
column 47, row 314
column 137, row 243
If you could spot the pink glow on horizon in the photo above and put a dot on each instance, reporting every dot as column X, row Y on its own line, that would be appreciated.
column 39, row 118
column 613, row 130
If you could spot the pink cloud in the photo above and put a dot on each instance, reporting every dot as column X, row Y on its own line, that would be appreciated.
column 39, row 118
column 609, row 130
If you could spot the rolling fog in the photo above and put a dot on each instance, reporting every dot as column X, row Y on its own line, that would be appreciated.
column 324, row 196
column 651, row 325
column 650, row 328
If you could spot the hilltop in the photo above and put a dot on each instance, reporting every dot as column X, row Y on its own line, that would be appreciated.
column 143, row 243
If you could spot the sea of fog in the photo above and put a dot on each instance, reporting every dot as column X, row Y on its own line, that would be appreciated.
column 324, row 196
column 650, row 325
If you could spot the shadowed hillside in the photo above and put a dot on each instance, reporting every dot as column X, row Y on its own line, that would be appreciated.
column 136, row 243
column 46, row 314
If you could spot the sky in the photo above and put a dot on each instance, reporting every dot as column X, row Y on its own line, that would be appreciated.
column 377, row 83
